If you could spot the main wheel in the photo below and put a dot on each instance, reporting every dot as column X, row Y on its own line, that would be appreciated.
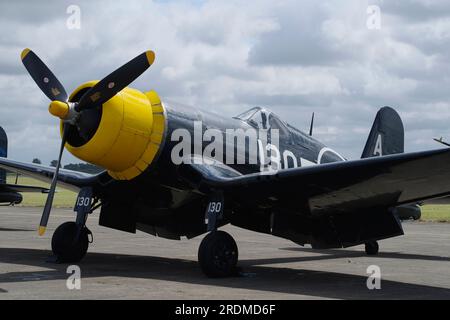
column 65, row 244
column 371, row 248
column 218, row 255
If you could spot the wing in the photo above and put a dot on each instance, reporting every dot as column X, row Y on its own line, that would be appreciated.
column 340, row 186
column 331, row 205
column 72, row 180
column 20, row 188
column 442, row 200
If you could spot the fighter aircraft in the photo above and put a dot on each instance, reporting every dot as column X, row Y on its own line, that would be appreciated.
column 176, row 171
column 10, row 194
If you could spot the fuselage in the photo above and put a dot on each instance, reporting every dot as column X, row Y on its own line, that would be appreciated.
column 258, row 153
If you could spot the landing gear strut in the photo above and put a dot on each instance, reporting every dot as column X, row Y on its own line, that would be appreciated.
column 371, row 248
column 70, row 240
column 218, row 255
column 218, row 252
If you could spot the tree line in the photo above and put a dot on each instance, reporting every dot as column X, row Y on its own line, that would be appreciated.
column 82, row 167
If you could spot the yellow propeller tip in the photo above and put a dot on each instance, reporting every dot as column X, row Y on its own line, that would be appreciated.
column 150, row 56
column 24, row 53
column 41, row 230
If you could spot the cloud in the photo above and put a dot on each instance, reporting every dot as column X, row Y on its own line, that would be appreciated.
column 302, row 37
column 417, row 10
column 293, row 57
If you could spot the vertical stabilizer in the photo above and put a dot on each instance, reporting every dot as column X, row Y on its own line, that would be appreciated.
column 386, row 136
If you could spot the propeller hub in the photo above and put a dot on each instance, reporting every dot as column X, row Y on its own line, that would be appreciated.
column 59, row 109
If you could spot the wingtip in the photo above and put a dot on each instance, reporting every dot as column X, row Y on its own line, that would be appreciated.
column 41, row 230
column 24, row 53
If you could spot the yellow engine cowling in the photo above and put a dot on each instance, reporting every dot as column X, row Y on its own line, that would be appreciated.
column 128, row 136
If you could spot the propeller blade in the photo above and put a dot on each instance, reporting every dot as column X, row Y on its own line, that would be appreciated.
column 51, row 193
column 43, row 77
column 106, row 88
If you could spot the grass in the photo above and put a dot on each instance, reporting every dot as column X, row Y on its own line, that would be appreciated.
column 66, row 199
column 436, row 212
column 63, row 198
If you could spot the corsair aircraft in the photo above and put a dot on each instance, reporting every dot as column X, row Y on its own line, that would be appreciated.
column 175, row 171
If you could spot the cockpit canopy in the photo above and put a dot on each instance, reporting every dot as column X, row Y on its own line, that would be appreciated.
column 261, row 118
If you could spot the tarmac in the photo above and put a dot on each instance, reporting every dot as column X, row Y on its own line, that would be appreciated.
column 120, row 265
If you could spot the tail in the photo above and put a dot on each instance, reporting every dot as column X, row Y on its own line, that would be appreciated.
column 3, row 152
column 387, row 135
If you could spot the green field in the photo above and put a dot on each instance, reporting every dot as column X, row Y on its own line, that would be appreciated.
column 63, row 198
column 66, row 199
column 436, row 212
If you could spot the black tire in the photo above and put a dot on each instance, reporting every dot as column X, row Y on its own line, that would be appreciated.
column 371, row 248
column 218, row 255
column 64, row 246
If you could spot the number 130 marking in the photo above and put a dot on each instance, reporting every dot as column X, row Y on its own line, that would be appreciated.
column 84, row 201
column 215, row 207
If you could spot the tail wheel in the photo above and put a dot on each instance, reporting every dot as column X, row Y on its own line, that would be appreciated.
column 68, row 245
column 218, row 255
column 371, row 248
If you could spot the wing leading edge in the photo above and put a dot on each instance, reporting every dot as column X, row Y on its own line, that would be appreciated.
column 72, row 180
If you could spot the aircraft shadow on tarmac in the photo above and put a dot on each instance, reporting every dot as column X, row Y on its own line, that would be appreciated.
column 254, row 276
column 342, row 253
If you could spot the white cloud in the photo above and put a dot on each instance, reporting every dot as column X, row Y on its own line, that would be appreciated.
column 294, row 57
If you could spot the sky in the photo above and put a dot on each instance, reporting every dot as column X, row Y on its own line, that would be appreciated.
column 339, row 59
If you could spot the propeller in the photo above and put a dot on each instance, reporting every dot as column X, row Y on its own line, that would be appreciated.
column 51, row 193
column 106, row 88
column 82, row 114
column 44, row 78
